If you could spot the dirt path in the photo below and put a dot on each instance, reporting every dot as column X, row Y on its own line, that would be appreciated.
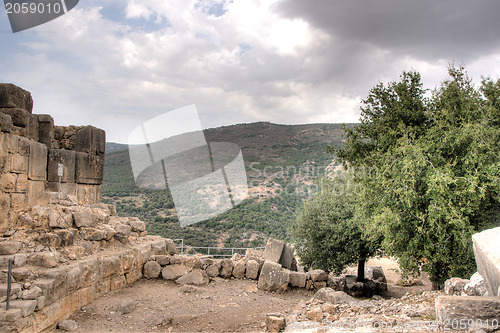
column 160, row 306
column 222, row 306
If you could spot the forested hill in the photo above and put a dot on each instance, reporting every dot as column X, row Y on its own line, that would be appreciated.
column 281, row 162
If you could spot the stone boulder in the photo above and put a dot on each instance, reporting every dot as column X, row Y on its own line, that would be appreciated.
column 483, row 310
column 152, row 270
column 10, row 247
column 239, row 269
column 455, row 286
column 173, row 272
column 273, row 277
column 275, row 323
column 252, row 269
column 317, row 275
column 487, row 252
column 226, row 268
column 298, row 279
column 195, row 277
column 476, row 286
column 334, row 297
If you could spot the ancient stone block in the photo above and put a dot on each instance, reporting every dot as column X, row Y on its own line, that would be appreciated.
column 67, row 159
column 60, row 220
column 317, row 275
column 18, row 163
column 8, row 182
column 273, row 250
column 89, row 169
column 45, row 259
column 226, row 268
column 252, row 269
column 20, row 117
column 10, row 247
column 90, row 140
column 37, row 162
column 151, row 270
column 334, row 297
column 173, row 272
column 455, row 286
column 275, row 324
column 4, row 208
column 84, row 218
column 456, row 308
column 21, row 183
column 110, row 266
column 298, row 279
column 88, row 194
column 273, row 277
column 32, row 128
column 171, row 248
column 36, row 193
column 45, row 130
column 12, row 96
column 27, row 307
column 212, row 271
column 5, row 123
column 195, row 277
column 287, row 257
column 476, row 286
column 18, row 201
column 487, row 253
column 239, row 269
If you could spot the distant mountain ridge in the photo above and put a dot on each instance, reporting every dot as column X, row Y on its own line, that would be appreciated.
column 274, row 156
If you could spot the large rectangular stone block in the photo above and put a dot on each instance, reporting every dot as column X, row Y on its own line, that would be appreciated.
column 479, row 311
column 487, row 252
column 287, row 259
column 68, row 159
column 37, row 161
column 5, row 123
column 66, row 188
column 8, row 182
column 20, row 117
column 37, row 196
column 90, row 140
column 18, row 163
column 4, row 211
column 12, row 96
column 273, row 250
column 46, row 129
column 89, row 169
column 88, row 194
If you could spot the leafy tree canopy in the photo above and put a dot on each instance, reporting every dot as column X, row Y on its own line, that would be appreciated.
column 324, row 232
column 434, row 170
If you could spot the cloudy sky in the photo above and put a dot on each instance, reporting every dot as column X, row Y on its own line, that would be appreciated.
column 118, row 63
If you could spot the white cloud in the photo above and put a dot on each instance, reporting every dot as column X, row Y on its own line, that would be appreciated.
column 116, row 64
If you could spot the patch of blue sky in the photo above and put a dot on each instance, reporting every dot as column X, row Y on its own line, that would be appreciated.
column 213, row 8
column 244, row 48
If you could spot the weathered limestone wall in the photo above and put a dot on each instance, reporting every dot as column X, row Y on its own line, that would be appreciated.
column 31, row 148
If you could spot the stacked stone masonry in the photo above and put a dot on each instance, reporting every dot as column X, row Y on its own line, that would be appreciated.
column 32, row 147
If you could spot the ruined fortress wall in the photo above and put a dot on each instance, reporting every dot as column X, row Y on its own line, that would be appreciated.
column 32, row 147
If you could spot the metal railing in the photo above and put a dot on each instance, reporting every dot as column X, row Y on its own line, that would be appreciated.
column 212, row 250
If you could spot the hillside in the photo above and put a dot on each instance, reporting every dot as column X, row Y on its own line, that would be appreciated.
column 281, row 161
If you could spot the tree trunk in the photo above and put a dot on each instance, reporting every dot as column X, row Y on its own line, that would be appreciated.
column 361, row 270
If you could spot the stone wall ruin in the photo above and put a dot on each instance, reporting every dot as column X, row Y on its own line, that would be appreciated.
column 32, row 147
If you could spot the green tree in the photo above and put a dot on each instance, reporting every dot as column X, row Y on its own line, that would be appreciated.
column 432, row 182
column 324, row 232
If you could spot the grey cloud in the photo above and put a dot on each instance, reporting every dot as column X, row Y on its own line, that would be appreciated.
column 427, row 29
